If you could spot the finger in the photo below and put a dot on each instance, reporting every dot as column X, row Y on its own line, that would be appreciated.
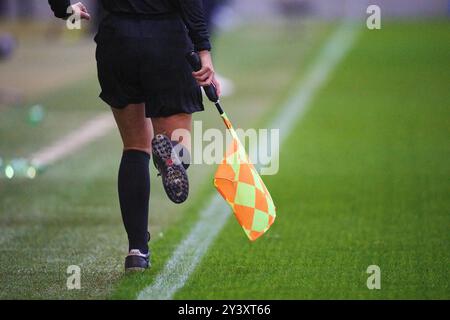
column 202, row 71
column 85, row 15
column 218, row 87
column 199, row 73
column 207, row 82
column 203, row 77
column 83, row 7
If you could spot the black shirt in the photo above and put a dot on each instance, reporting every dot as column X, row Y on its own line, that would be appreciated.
column 190, row 10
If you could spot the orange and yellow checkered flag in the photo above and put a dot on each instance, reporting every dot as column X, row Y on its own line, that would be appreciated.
column 240, row 185
column 236, row 179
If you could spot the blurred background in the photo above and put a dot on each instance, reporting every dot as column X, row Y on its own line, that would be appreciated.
column 254, row 8
column 370, row 182
column 28, row 21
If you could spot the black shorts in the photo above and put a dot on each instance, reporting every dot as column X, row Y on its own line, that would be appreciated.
column 142, row 60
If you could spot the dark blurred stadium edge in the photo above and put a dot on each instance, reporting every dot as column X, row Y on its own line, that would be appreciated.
column 248, row 10
column 38, row 9
column 34, row 16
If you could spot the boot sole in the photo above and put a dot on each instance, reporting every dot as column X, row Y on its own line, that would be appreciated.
column 173, row 173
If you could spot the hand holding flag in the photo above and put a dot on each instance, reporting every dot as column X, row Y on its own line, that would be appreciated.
column 236, row 178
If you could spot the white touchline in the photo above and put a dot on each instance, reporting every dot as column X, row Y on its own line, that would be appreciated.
column 92, row 130
column 189, row 252
column 214, row 216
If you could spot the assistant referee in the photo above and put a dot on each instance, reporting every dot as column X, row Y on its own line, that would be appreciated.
column 152, row 91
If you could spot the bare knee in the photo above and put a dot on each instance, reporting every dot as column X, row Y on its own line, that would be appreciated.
column 139, row 141
column 135, row 129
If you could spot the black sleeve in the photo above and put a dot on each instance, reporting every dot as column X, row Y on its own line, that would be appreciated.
column 194, row 17
column 59, row 7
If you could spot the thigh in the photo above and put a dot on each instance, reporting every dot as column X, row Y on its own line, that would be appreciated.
column 177, row 127
column 135, row 129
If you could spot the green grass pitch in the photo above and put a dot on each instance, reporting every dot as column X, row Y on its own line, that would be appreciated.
column 364, row 179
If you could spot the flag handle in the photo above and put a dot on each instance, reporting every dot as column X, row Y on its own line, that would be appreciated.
column 194, row 60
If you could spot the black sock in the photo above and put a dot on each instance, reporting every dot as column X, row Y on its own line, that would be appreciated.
column 134, row 193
